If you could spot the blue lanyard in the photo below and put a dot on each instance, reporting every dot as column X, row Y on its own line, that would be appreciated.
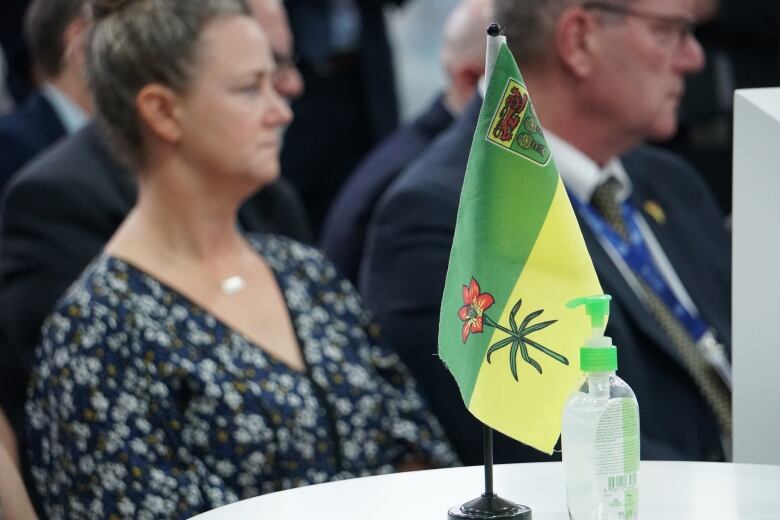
column 636, row 255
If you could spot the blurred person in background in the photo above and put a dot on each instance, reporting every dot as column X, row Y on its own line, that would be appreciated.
column 350, row 102
column 272, row 16
column 603, row 77
column 54, row 31
column 19, row 80
column 191, row 365
column 463, row 59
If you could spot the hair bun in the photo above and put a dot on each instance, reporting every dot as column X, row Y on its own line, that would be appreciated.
column 103, row 8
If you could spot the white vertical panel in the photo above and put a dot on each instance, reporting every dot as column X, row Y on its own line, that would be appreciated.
column 756, row 279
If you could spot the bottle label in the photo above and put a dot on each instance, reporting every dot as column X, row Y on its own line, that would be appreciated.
column 617, row 459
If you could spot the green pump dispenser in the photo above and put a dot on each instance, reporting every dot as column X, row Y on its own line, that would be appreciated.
column 600, row 430
column 598, row 354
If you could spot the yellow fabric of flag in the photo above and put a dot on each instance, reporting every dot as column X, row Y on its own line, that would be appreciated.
column 517, row 257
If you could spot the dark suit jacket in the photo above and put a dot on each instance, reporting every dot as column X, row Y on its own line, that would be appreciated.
column 344, row 233
column 57, row 214
column 677, row 422
column 26, row 132
column 403, row 279
column 349, row 104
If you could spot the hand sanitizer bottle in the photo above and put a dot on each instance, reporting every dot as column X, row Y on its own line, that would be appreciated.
column 600, row 434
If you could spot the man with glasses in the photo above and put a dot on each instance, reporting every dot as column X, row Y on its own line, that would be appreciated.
column 273, row 18
column 604, row 77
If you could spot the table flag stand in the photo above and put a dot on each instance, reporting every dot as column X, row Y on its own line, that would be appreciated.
column 489, row 506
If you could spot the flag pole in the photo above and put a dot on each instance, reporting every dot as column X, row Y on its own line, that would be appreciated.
column 487, row 449
column 490, row 506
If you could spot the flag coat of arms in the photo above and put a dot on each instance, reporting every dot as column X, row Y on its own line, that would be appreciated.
column 517, row 257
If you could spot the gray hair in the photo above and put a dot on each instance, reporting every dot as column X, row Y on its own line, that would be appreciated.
column 134, row 43
column 529, row 25
column 45, row 22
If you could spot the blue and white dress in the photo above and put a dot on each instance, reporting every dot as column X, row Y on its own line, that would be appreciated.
column 145, row 405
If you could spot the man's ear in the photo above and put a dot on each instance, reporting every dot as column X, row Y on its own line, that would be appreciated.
column 467, row 76
column 575, row 41
column 74, row 41
column 158, row 109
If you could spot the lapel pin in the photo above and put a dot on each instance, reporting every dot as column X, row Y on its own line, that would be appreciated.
column 654, row 209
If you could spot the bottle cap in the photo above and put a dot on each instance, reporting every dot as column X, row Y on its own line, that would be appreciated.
column 596, row 307
column 599, row 354
column 598, row 359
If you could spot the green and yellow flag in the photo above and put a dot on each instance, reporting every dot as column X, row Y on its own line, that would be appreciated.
column 517, row 257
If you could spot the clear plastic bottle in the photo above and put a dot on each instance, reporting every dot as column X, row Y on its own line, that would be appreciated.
column 600, row 434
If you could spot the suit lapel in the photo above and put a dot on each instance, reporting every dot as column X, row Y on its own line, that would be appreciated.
column 694, row 280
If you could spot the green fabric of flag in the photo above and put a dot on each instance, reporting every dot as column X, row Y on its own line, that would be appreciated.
column 517, row 257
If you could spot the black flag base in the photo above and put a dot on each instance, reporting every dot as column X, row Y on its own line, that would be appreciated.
column 490, row 507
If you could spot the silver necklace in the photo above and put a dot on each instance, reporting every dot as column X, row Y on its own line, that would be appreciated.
column 229, row 286
column 233, row 284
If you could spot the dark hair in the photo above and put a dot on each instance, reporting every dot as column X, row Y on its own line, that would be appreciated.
column 134, row 43
column 44, row 29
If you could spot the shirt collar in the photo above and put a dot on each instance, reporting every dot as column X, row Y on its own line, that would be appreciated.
column 72, row 116
column 580, row 174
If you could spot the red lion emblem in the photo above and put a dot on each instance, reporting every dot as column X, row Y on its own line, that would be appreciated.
column 510, row 115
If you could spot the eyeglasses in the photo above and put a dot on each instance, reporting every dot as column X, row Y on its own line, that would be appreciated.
column 671, row 31
column 285, row 64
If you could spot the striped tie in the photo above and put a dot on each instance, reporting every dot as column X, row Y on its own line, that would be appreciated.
column 715, row 392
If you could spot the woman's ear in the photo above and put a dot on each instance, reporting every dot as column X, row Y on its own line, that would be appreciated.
column 575, row 41
column 158, row 109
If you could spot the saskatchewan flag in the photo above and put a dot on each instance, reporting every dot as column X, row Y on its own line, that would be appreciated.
column 517, row 257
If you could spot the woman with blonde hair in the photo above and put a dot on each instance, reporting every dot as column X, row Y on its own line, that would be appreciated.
column 190, row 365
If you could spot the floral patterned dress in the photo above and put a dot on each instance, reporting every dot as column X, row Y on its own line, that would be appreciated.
column 144, row 405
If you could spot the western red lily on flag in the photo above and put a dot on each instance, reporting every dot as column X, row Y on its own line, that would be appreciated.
column 517, row 257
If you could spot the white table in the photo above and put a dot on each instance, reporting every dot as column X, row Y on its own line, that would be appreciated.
column 668, row 491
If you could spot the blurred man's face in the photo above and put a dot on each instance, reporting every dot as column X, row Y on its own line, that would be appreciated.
column 273, row 19
column 647, row 51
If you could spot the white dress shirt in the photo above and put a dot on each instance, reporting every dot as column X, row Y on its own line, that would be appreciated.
column 72, row 116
